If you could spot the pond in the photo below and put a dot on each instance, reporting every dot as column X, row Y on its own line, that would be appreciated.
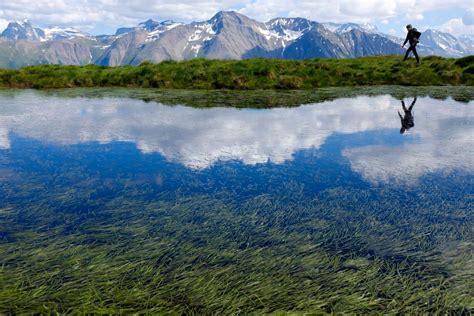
column 357, row 204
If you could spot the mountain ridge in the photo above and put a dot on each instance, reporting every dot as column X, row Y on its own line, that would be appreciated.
column 227, row 35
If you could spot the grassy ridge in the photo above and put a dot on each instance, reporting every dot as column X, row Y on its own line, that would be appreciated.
column 249, row 74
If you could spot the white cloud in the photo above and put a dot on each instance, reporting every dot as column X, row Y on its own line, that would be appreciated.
column 86, row 14
column 456, row 27
column 414, row 17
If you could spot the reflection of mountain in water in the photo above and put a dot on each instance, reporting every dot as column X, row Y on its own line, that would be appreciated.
column 198, row 138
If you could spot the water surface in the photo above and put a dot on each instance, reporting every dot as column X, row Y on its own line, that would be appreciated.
column 114, row 204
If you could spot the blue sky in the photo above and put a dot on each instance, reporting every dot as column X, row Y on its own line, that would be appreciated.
column 104, row 16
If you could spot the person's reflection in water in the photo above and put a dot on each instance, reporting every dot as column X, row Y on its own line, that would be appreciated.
column 407, row 120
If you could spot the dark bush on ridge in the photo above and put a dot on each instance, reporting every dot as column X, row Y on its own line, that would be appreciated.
column 465, row 61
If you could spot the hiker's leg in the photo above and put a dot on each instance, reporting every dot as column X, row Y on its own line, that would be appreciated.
column 416, row 54
column 403, row 106
column 407, row 53
column 412, row 105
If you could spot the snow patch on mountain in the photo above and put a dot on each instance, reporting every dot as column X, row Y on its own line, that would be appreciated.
column 288, row 30
column 196, row 48
column 268, row 34
column 56, row 33
column 161, row 28
column 341, row 28
column 209, row 28
column 292, row 35
column 24, row 30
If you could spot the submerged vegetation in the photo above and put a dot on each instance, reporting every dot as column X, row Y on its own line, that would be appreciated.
column 100, row 228
column 74, row 239
column 249, row 74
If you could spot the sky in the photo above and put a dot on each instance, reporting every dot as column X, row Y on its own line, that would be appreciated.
column 105, row 16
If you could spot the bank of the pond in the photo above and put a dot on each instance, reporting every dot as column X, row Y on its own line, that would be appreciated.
column 262, row 99
column 249, row 74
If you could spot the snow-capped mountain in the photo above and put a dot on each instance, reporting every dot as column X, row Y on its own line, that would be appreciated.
column 227, row 35
column 434, row 42
column 290, row 29
column 440, row 43
column 149, row 26
column 468, row 42
column 26, row 31
column 23, row 31
column 58, row 33
column 341, row 28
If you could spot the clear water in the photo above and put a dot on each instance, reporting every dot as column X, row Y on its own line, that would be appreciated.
column 119, row 205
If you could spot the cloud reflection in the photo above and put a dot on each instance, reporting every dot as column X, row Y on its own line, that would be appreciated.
column 198, row 138
column 444, row 142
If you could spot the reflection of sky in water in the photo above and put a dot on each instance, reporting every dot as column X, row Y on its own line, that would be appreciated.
column 442, row 139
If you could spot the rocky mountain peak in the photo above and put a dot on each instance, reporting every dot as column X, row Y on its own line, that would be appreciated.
column 227, row 35
column 22, row 31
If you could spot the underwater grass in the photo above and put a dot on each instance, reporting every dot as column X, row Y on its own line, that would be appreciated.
column 69, row 246
column 251, row 74
column 223, row 264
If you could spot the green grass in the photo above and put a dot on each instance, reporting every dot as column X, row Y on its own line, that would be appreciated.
column 249, row 74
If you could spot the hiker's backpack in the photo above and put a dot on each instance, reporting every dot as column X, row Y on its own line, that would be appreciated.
column 417, row 34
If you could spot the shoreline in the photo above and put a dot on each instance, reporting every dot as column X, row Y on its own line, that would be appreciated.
column 258, row 99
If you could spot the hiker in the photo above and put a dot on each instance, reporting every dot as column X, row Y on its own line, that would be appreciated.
column 407, row 120
column 413, row 37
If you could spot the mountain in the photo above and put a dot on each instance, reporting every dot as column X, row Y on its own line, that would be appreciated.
column 434, row 42
column 467, row 41
column 227, row 35
column 57, row 33
column 23, row 44
column 15, row 54
column 439, row 43
column 341, row 28
column 22, row 31
column 26, row 31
